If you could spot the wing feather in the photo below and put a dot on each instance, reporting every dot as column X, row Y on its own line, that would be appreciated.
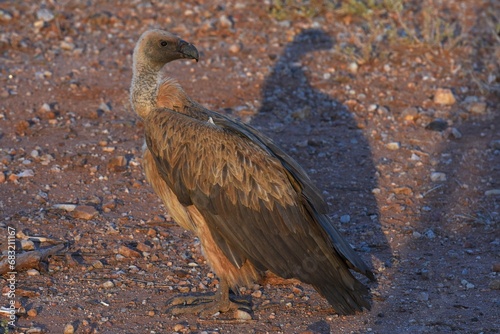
column 254, row 203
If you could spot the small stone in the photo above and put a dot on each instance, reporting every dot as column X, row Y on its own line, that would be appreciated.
column 495, row 284
column 444, row 96
column 119, row 257
column 26, row 173
column 66, row 207
column 403, row 191
column 85, row 212
column 234, row 48
column 225, row 22
column 257, row 294
column 495, row 144
column 477, row 108
column 423, row 296
column 353, row 67
column 27, row 245
column 372, row 107
column 110, row 205
column 438, row 177
column 108, row 284
column 242, row 315
column 32, row 312
column 5, row 16
column 67, row 46
column 179, row 327
column 301, row 114
column 492, row 192
column 455, row 133
column 45, row 15
column 496, row 267
column 430, row 234
column 345, row 219
column 2, row 177
column 104, row 107
column 128, row 252
column 97, row 264
column 33, row 272
column 417, row 234
column 409, row 114
column 393, row 146
column 34, row 330
column 143, row 247
column 69, row 329
column 151, row 233
column 117, row 164
column 438, row 124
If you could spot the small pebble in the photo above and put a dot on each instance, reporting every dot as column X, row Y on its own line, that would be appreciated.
column 444, row 96
column 32, row 312
column 179, row 327
column 33, row 272
column 430, row 234
column 423, row 296
column 128, row 252
column 438, row 124
column 438, row 177
column 372, row 107
column 455, row 133
column 27, row 245
column 492, row 192
column 26, row 173
column 257, row 294
column 45, row 15
column 477, row 108
column 393, row 146
column 495, row 284
column 495, row 144
column 117, row 164
column 353, row 67
column 345, row 219
column 85, row 212
column 97, row 264
column 108, row 284
column 66, row 207
column 69, row 329
column 242, row 315
column 234, row 48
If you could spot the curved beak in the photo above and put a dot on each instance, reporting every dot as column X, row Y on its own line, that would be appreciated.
column 188, row 50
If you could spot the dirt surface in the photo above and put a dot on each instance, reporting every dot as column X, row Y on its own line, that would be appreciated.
column 393, row 111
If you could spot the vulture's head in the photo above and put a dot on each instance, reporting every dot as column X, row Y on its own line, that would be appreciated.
column 157, row 47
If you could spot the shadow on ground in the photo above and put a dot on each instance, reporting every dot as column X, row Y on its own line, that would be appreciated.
column 322, row 135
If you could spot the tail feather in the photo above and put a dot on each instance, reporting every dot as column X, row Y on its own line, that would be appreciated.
column 344, row 300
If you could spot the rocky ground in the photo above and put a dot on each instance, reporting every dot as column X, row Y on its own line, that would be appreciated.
column 392, row 109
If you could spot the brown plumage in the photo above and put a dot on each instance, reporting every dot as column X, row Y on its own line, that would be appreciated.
column 252, row 206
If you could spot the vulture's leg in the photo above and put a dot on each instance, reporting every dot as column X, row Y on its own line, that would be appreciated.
column 208, row 304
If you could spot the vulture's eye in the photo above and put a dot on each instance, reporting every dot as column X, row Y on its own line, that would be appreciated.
column 163, row 43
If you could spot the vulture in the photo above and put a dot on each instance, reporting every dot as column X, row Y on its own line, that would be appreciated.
column 253, row 208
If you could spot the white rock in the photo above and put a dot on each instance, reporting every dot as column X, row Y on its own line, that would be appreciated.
column 438, row 177
column 66, row 207
column 26, row 173
column 242, row 315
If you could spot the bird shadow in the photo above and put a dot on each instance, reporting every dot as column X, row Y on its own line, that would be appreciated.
column 323, row 136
